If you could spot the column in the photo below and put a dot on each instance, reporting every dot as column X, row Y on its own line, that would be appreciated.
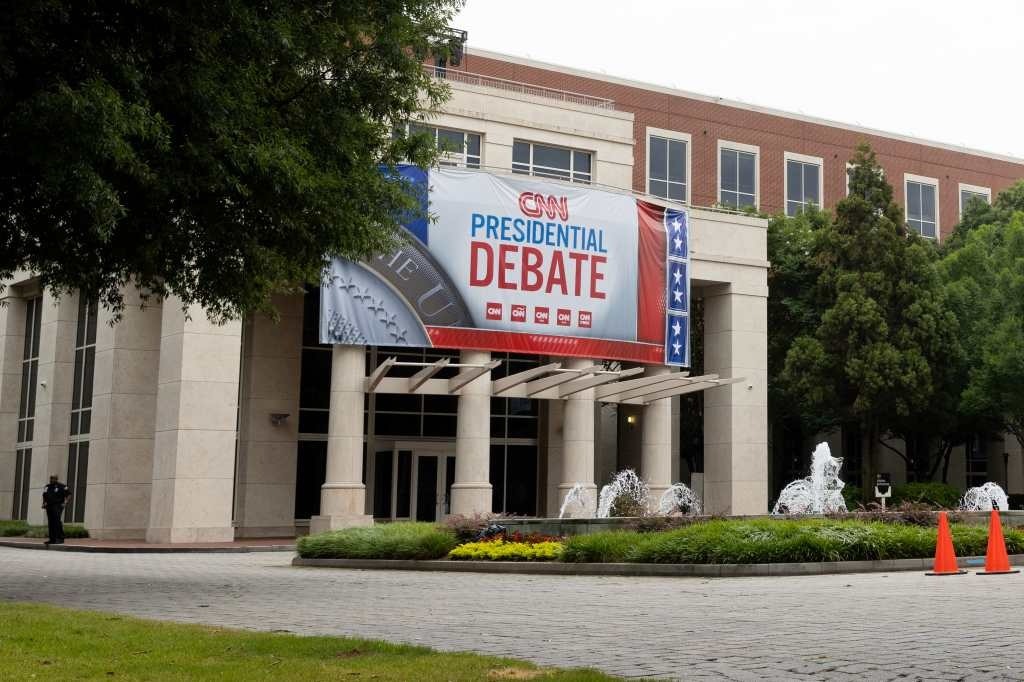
column 12, row 348
column 343, row 495
column 553, row 429
column 471, row 491
column 196, row 422
column 120, row 473
column 736, row 415
column 578, row 444
column 656, row 444
column 53, row 396
column 269, row 423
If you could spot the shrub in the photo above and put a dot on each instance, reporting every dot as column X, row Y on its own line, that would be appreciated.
column 941, row 495
column 615, row 546
column 502, row 550
column 10, row 529
column 652, row 524
column 908, row 513
column 467, row 526
column 408, row 540
column 71, row 531
column 853, row 495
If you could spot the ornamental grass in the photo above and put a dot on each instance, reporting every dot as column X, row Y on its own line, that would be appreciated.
column 778, row 541
column 403, row 540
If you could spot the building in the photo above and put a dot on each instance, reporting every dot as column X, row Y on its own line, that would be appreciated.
column 173, row 429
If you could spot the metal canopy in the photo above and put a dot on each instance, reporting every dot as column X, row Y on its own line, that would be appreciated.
column 547, row 382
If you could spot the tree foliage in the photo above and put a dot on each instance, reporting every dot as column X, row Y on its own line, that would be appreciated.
column 984, row 279
column 877, row 338
column 211, row 150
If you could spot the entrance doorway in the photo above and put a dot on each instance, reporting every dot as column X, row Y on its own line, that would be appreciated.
column 413, row 481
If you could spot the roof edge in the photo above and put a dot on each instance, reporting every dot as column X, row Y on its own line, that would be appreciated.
column 653, row 87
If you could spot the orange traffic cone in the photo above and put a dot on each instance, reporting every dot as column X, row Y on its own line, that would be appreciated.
column 945, row 557
column 996, row 560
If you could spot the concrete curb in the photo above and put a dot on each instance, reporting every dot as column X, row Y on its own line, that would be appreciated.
column 660, row 570
column 100, row 549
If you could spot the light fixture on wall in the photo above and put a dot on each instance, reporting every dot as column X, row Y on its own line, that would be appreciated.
column 278, row 418
column 631, row 420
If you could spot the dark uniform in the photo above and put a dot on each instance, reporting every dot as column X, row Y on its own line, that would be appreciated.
column 55, row 494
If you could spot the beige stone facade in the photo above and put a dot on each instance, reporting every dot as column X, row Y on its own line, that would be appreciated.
column 202, row 432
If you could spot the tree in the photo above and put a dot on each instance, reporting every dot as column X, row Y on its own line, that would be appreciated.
column 792, row 309
column 978, row 213
column 984, row 278
column 215, row 150
column 877, row 352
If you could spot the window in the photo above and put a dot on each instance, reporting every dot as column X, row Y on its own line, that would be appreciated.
column 27, row 408
column 737, row 175
column 803, row 182
column 529, row 158
column 457, row 148
column 668, row 164
column 81, row 408
column 969, row 192
column 922, row 205
column 976, row 461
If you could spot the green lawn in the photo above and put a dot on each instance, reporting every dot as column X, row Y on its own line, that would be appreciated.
column 46, row 642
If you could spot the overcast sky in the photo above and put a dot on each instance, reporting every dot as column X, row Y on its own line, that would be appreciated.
column 941, row 70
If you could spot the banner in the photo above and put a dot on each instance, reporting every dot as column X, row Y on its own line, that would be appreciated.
column 522, row 265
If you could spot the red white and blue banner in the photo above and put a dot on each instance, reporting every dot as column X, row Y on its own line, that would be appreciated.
column 522, row 265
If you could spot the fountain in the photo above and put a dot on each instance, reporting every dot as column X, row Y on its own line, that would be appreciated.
column 985, row 498
column 575, row 498
column 679, row 498
column 625, row 484
column 819, row 493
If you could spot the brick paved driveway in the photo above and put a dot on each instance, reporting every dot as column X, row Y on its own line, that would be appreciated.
column 873, row 626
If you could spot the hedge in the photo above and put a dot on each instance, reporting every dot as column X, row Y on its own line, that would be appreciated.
column 404, row 540
column 777, row 541
column 10, row 529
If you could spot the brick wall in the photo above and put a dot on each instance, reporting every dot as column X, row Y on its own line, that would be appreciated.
column 707, row 122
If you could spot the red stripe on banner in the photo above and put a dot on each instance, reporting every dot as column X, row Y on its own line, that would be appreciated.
column 544, row 344
column 650, row 305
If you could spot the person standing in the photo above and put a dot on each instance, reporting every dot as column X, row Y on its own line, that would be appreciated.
column 55, row 496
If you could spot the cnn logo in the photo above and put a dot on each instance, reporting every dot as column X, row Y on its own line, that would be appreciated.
column 519, row 313
column 493, row 311
column 585, row 319
column 564, row 317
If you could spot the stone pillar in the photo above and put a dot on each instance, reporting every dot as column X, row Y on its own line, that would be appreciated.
column 120, row 473
column 656, row 444
column 471, row 491
column 578, row 444
column 196, row 427
column 12, row 348
column 343, row 495
column 53, row 396
column 736, row 415
column 271, row 367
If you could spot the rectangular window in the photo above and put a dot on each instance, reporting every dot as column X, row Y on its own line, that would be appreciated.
column 737, row 175
column 81, row 407
column 457, row 147
column 545, row 161
column 668, row 164
column 922, row 205
column 803, row 182
column 970, row 193
column 27, row 407
column 976, row 461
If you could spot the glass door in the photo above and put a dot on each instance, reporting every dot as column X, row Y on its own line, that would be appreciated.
column 435, row 473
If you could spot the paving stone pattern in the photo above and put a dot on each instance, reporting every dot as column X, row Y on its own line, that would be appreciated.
column 839, row 627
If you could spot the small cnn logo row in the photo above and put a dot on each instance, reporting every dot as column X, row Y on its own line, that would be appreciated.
column 541, row 315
